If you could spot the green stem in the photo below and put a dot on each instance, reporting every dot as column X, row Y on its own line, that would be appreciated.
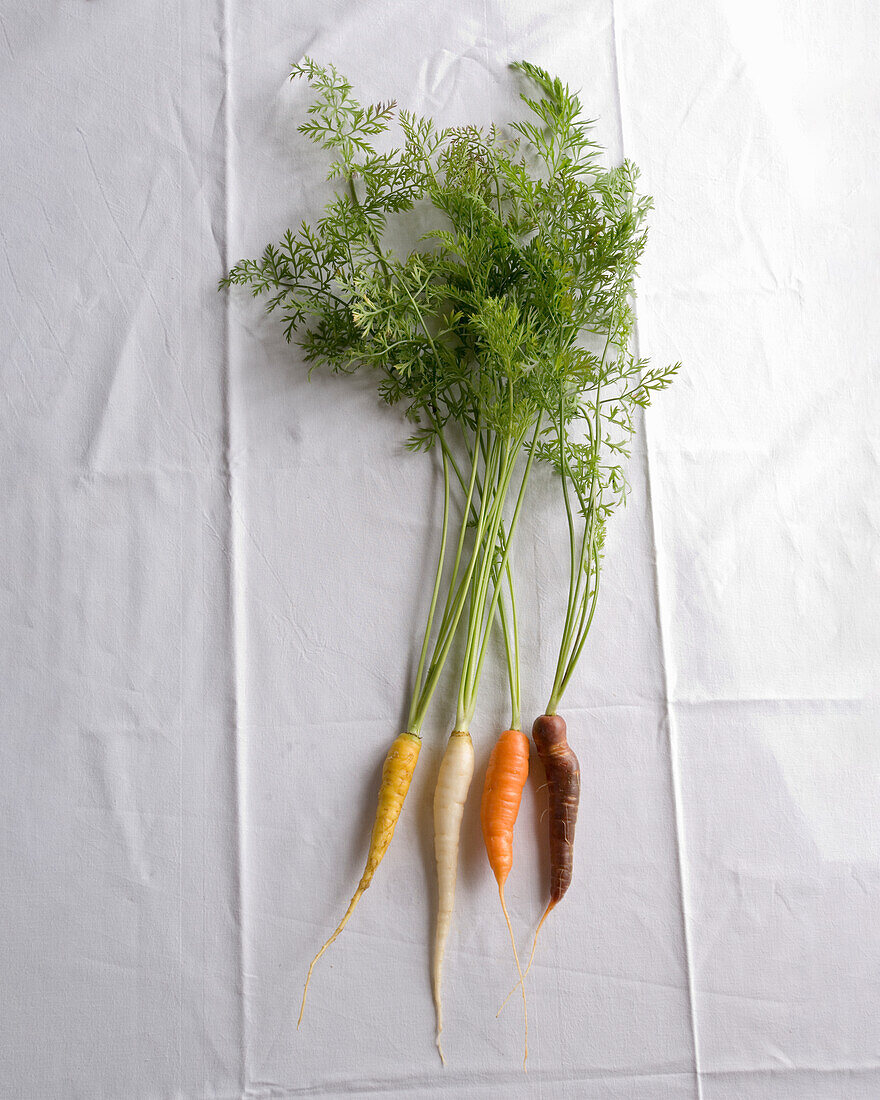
column 421, row 704
column 509, row 632
column 572, row 586
column 464, row 585
column 468, row 507
column 436, row 591
column 478, row 592
column 370, row 234
column 511, row 652
column 482, row 643
column 582, row 635
column 580, row 596
column 488, row 572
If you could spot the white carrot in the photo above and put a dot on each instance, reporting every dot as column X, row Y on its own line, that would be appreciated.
column 453, row 781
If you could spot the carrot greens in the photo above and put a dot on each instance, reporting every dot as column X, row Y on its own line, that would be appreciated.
column 502, row 331
column 590, row 222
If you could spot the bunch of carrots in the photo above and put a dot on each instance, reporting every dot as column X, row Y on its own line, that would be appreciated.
column 504, row 334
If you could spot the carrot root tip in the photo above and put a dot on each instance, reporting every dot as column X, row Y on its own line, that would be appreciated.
column 519, row 972
column 550, row 907
column 351, row 908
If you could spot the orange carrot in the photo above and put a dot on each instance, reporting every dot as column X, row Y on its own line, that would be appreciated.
column 505, row 778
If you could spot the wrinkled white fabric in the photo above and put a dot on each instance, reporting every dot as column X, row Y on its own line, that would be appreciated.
column 213, row 578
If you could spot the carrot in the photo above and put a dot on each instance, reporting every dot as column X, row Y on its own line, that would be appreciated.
column 480, row 363
column 563, row 790
column 453, row 782
column 505, row 778
column 397, row 773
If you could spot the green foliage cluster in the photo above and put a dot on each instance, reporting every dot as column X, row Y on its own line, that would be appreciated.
column 509, row 320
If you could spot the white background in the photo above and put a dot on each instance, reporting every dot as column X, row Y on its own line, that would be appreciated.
column 212, row 575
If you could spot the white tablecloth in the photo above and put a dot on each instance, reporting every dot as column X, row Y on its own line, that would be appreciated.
column 213, row 574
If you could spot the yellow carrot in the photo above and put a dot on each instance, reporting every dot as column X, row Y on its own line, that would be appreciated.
column 397, row 773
